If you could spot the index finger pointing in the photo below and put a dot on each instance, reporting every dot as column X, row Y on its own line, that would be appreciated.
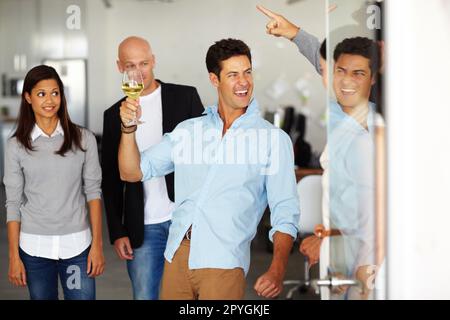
column 267, row 12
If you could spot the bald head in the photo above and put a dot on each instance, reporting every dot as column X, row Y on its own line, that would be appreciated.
column 133, row 44
column 136, row 53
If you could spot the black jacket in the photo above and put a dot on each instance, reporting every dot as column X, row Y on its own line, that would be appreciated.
column 124, row 201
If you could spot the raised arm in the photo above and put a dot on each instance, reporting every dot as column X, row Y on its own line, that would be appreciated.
column 278, row 25
column 134, row 166
column 308, row 45
column 129, row 158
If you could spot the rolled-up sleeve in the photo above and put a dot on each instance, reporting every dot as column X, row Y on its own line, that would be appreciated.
column 282, row 188
column 14, row 181
column 157, row 160
column 92, row 173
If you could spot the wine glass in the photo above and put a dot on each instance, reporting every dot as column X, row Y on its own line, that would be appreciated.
column 132, row 86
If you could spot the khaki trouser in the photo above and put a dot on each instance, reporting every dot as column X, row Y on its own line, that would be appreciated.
column 180, row 283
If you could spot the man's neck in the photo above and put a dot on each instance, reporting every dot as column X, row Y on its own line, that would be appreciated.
column 229, row 115
column 359, row 113
column 153, row 86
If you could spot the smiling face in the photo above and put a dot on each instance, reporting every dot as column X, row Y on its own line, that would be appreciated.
column 352, row 81
column 45, row 99
column 235, row 85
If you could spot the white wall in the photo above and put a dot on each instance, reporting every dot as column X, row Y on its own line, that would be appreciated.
column 418, row 109
column 180, row 34
column 98, row 67
column 349, row 19
column 37, row 29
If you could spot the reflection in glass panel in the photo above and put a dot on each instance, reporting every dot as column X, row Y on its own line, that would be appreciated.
column 355, row 128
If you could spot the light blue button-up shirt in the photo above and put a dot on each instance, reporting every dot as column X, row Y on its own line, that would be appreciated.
column 351, row 153
column 223, row 185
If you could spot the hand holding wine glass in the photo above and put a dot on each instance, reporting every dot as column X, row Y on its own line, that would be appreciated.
column 132, row 86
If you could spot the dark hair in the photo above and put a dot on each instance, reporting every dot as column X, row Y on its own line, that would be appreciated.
column 223, row 50
column 363, row 47
column 323, row 49
column 27, row 120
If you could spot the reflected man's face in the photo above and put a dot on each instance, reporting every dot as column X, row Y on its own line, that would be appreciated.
column 352, row 80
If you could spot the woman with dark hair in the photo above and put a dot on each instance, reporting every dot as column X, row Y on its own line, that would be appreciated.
column 51, row 171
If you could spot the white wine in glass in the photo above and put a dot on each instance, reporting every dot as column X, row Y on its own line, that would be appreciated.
column 132, row 86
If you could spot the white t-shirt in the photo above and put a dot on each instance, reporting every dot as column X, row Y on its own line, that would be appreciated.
column 157, row 206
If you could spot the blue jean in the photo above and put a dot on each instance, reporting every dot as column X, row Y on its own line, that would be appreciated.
column 42, row 277
column 146, row 268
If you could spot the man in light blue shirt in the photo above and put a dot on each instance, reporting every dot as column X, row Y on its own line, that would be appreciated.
column 229, row 165
column 349, row 158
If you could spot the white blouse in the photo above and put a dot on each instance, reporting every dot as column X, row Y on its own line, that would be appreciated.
column 55, row 247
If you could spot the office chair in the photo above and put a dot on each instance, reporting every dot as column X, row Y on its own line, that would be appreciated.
column 310, row 194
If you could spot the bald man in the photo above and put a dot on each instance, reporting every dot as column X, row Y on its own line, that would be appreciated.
column 139, row 214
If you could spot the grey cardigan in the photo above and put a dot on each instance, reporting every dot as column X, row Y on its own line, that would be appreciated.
column 46, row 192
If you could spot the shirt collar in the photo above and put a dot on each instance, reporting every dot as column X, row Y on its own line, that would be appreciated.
column 37, row 132
column 252, row 108
column 337, row 116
